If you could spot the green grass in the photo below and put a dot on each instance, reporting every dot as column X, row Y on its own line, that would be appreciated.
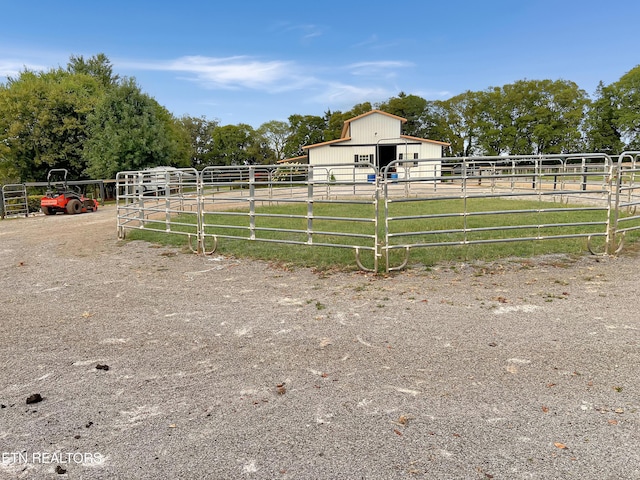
column 288, row 223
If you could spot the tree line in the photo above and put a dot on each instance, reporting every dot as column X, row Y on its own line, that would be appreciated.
column 94, row 123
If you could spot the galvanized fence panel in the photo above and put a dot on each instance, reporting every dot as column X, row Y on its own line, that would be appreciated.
column 291, row 204
column 466, row 203
column 14, row 201
column 160, row 200
column 627, row 197
column 426, row 203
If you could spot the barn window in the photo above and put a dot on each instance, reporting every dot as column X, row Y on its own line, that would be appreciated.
column 362, row 160
column 409, row 155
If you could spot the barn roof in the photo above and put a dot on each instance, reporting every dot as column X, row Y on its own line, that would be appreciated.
column 346, row 131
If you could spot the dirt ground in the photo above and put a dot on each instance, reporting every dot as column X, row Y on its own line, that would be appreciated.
column 124, row 360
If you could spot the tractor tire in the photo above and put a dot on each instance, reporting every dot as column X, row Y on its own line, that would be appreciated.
column 48, row 211
column 74, row 206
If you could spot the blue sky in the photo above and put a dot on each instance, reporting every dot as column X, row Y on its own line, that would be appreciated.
column 255, row 61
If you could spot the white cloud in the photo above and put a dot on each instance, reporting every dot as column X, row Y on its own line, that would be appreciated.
column 321, row 84
column 373, row 39
column 389, row 67
column 340, row 93
column 307, row 30
column 373, row 43
column 432, row 93
column 275, row 76
column 12, row 68
column 230, row 72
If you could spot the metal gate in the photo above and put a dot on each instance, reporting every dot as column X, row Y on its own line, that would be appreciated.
column 297, row 205
column 14, row 201
column 627, row 197
column 160, row 200
column 473, row 201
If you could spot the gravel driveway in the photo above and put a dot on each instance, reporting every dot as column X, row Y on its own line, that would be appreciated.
column 143, row 362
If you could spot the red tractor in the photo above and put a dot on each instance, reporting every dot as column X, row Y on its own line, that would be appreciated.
column 60, row 198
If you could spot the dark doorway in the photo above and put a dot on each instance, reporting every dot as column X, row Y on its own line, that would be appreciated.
column 386, row 155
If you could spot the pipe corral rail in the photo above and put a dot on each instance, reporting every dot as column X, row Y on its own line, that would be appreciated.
column 398, row 208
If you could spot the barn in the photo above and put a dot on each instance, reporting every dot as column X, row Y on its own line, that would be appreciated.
column 375, row 138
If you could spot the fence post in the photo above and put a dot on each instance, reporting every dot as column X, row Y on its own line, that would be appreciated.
column 310, row 180
column 252, row 202
column 615, row 177
column 200, row 212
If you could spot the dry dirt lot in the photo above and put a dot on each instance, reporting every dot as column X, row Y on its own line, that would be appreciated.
column 152, row 363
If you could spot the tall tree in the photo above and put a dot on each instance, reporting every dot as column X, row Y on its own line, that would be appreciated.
column 410, row 107
column 626, row 95
column 436, row 126
column 200, row 133
column 496, row 128
column 305, row 130
column 98, row 66
column 560, row 112
column 275, row 134
column 601, row 131
column 334, row 122
column 232, row 145
column 131, row 131
column 532, row 117
column 43, row 122
column 454, row 121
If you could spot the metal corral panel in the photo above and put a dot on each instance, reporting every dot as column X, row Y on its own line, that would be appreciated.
column 14, row 201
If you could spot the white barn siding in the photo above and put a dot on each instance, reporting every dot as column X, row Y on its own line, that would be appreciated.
column 375, row 128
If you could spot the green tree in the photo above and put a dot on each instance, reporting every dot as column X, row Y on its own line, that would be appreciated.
column 602, row 134
column 524, row 118
column 179, row 148
column 410, row 107
column 496, row 127
column 234, row 145
column 200, row 133
column 454, row 121
column 305, row 130
column 98, row 66
column 531, row 117
column 131, row 131
column 275, row 135
column 259, row 149
column 626, row 96
column 436, row 126
column 334, row 122
column 43, row 122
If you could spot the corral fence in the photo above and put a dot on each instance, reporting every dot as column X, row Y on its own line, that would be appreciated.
column 390, row 212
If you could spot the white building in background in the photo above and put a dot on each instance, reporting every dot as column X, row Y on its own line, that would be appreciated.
column 374, row 138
